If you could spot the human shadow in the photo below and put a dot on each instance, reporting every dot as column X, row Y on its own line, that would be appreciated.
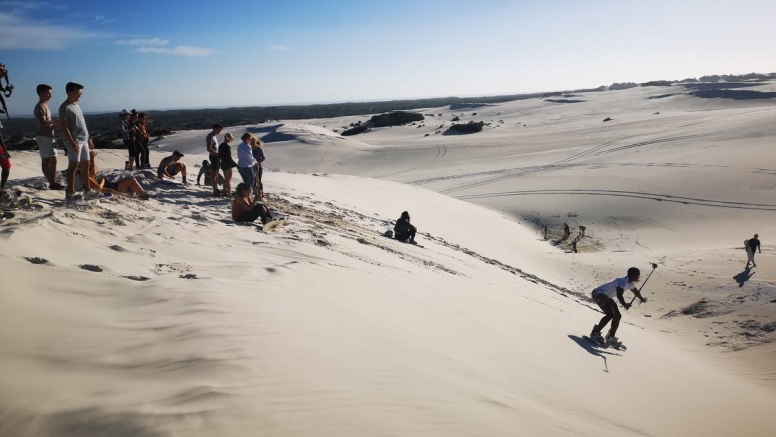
column 592, row 349
column 743, row 277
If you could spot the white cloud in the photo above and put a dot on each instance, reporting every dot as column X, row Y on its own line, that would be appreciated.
column 179, row 51
column 279, row 47
column 101, row 19
column 142, row 42
column 17, row 32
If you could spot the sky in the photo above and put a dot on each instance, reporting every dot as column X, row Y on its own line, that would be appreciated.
column 168, row 54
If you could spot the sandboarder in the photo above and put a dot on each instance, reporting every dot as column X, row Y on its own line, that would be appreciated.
column 752, row 245
column 603, row 296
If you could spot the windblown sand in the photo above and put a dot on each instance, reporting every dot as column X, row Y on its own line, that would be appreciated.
column 164, row 318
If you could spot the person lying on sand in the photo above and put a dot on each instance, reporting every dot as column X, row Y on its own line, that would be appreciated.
column 170, row 166
column 403, row 230
column 128, row 185
column 603, row 296
column 246, row 210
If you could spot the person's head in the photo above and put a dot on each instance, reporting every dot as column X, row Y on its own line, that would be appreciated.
column 242, row 190
column 142, row 117
column 124, row 114
column 217, row 128
column 633, row 274
column 756, row 236
column 205, row 164
column 176, row 155
column 246, row 137
column 74, row 91
column 252, row 141
column 44, row 92
column 405, row 215
column 259, row 142
column 228, row 137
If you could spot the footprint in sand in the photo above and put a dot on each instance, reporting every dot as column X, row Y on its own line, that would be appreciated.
column 118, row 248
column 188, row 276
column 91, row 267
column 36, row 260
column 137, row 278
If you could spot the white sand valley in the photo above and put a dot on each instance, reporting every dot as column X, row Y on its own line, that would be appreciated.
column 130, row 318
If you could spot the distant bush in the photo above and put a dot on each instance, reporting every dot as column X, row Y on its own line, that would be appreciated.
column 471, row 127
column 395, row 118
column 359, row 129
column 456, row 118
column 622, row 86
column 657, row 83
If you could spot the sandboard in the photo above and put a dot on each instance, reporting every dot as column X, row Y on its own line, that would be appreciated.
column 271, row 226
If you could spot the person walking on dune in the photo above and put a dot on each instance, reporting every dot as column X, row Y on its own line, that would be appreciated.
column 752, row 245
column 603, row 296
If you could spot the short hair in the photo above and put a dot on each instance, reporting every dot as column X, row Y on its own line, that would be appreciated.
column 177, row 153
column 217, row 126
column 229, row 136
column 246, row 136
column 633, row 271
column 205, row 163
column 73, row 87
column 405, row 215
column 42, row 88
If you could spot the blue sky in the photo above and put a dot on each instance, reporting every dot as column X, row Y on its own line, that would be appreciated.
column 195, row 53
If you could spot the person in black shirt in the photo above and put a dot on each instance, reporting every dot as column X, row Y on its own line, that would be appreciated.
column 403, row 230
column 752, row 245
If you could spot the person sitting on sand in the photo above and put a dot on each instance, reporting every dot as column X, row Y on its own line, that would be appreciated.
column 603, row 297
column 403, row 230
column 169, row 167
column 753, row 244
column 206, row 172
column 246, row 210
column 128, row 185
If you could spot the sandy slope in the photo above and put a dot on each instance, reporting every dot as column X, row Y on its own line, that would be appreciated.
column 164, row 318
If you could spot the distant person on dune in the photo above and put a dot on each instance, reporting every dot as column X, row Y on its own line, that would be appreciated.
column 227, row 163
column 125, row 128
column 73, row 125
column 169, row 167
column 245, row 161
column 143, row 139
column 246, row 210
column 752, row 245
column 258, row 154
column 603, row 296
column 566, row 230
column 211, row 145
column 44, row 136
column 403, row 230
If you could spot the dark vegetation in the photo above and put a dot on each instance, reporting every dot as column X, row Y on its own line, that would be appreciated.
column 395, row 118
column 471, row 127
column 734, row 94
column 357, row 129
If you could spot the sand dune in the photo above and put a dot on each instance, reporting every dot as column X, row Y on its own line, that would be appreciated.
column 165, row 318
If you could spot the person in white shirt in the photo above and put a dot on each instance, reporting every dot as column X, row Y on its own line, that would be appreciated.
column 245, row 160
column 604, row 294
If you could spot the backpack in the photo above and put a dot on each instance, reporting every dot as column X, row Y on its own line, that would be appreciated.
column 746, row 245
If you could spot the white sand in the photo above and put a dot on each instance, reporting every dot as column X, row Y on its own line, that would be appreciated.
column 198, row 327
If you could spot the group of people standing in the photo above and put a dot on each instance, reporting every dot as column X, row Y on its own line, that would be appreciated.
column 134, row 133
column 250, row 156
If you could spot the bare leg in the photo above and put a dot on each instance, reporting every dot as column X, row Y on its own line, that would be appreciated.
column 70, row 175
column 180, row 167
column 4, row 177
column 84, row 175
column 131, row 184
column 214, row 180
column 227, row 180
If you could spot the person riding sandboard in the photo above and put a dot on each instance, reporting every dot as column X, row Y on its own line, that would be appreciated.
column 603, row 295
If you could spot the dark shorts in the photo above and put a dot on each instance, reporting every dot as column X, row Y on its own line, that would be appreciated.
column 170, row 171
column 111, row 186
column 603, row 301
column 130, row 147
column 215, row 163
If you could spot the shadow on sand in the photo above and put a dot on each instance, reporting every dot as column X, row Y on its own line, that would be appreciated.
column 744, row 276
column 593, row 349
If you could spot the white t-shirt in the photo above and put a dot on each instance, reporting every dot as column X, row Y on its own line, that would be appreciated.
column 610, row 288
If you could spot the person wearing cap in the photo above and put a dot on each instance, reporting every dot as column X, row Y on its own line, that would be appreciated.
column 169, row 167
column 126, row 132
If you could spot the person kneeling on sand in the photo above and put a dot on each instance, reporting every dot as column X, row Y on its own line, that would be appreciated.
column 603, row 296
column 122, row 186
column 205, row 171
column 246, row 210
column 403, row 230
column 170, row 166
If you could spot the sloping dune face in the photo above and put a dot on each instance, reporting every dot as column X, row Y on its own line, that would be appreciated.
column 158, row 319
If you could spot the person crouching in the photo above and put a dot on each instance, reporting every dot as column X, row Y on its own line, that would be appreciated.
column 246, row 210
column 403, row 230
